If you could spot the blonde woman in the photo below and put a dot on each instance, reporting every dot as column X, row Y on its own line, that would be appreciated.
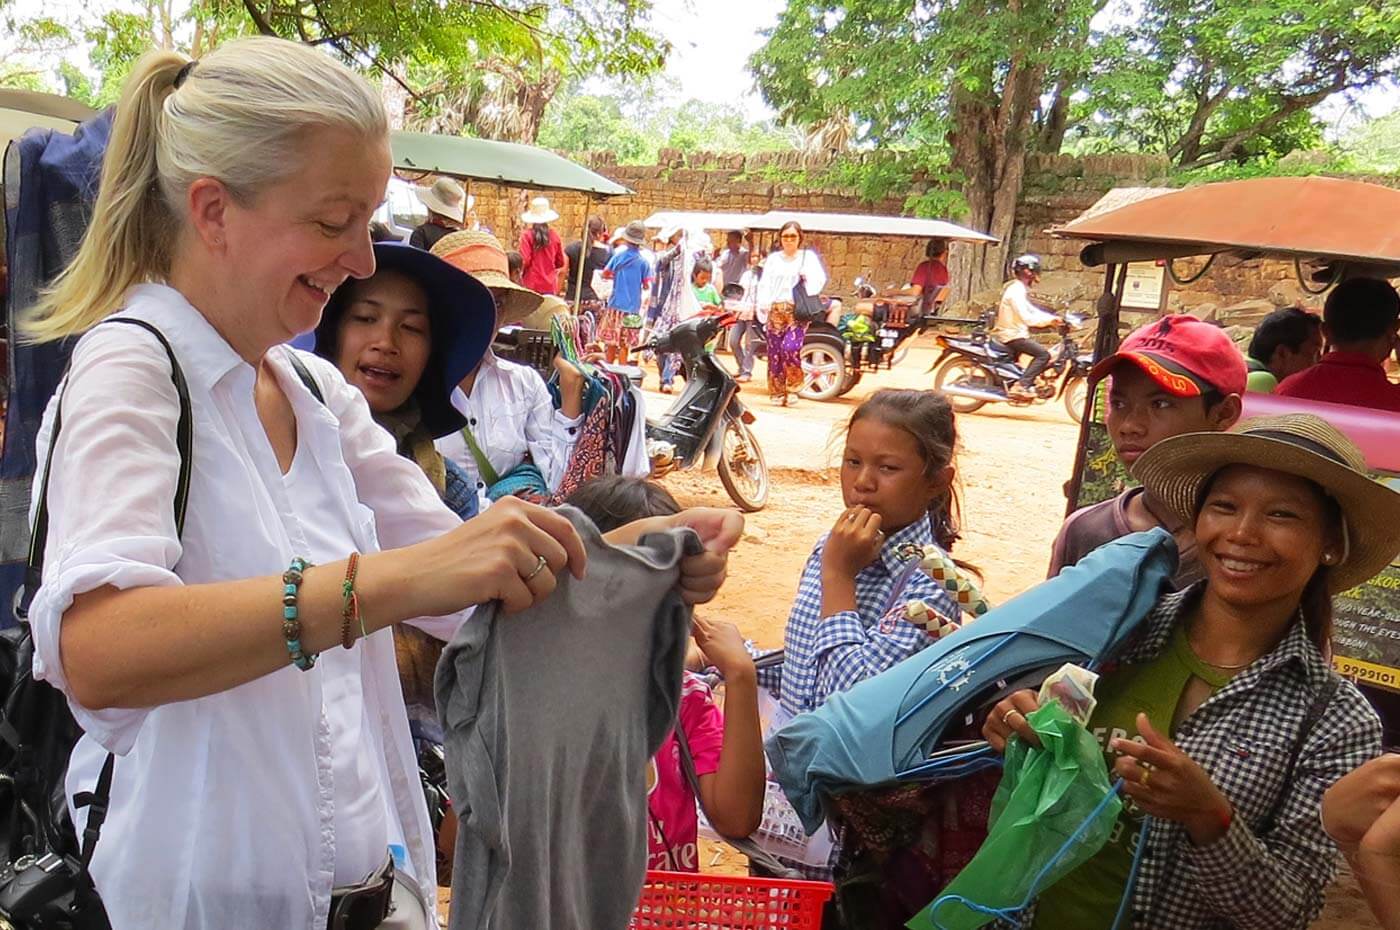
column 253, row 785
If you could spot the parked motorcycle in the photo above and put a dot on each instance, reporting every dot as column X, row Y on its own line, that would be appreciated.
column 976, row 370
column 707, row 424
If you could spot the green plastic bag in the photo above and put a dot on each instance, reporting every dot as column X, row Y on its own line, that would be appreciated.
column 1054, row 810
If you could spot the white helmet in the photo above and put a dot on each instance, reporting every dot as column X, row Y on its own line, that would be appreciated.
column 1026, row 262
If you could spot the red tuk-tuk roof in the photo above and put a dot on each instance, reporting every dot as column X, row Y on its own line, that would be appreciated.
column 1313, row 217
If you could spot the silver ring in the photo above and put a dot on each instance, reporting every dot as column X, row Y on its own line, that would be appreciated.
column 539, row 567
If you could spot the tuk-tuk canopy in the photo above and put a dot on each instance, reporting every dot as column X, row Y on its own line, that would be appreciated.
column 1304, row 218
column 857, row 224
column 508, row 163
column 23, row 110
column 846, row 224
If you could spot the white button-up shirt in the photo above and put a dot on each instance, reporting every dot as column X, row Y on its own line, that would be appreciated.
column 511, row 414
column 223, row 811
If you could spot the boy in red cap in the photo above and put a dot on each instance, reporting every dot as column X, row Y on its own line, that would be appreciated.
column 1176, row 375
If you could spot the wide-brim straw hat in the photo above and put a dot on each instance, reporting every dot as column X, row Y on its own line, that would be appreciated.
column 1177, row 469
column 540, row 212
column 461, row 315
column 446, row 197
column 482, row 256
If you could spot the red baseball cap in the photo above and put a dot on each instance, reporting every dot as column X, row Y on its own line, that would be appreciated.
column 1186, row 356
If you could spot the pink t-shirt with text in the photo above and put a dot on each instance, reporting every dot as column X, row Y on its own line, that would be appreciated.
column 671, row 806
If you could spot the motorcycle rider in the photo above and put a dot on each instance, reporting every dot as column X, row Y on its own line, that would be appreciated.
column 1016, row 317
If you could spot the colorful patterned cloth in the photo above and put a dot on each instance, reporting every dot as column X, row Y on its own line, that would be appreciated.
column 785, row 337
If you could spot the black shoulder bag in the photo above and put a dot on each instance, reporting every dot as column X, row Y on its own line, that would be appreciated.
column 44, row 878
column 805, row 307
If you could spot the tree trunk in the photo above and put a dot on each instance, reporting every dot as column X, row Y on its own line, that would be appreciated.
column 1052, row 133
column 989, row 142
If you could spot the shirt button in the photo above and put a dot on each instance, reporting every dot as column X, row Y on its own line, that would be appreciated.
column 472, row 421
column 480, row 485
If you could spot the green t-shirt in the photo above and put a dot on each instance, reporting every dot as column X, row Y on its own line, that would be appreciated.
column 1260, row 379
column 1088, row 898
column 707, row 295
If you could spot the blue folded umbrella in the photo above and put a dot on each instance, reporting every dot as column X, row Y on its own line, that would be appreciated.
column 885, row 728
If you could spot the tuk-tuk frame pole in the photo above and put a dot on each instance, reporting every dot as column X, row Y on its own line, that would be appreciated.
column 1105, row 344
column 584, row 248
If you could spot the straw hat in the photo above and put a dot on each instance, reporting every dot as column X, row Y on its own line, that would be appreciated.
column 446, row 198
column 482, row 256
column 1300, row 444
column 539, row 212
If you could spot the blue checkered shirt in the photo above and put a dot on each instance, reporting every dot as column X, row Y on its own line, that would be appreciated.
column 1269, row 871
column 824, row 655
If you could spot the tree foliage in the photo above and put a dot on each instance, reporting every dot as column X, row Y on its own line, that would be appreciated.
column 634, row 123
column 484, row 66
column 1234, row 79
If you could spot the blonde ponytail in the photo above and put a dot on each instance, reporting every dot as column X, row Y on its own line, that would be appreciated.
column 127, row 240
column 240, row 116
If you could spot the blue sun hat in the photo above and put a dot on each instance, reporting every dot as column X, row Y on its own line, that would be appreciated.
column 462, row 316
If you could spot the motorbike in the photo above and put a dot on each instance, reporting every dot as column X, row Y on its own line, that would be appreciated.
column 976, row 370
column 707, row 425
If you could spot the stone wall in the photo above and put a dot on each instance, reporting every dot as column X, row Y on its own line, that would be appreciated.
column 1057, row 189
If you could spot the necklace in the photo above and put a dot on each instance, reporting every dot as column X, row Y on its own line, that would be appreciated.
column 1217, row 665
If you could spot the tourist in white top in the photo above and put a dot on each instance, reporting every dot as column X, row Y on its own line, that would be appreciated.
column 246, row 789
column 781, row 273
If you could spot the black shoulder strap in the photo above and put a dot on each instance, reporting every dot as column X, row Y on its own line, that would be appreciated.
column 1316, row 709
column 184, row 441
column 98, row 799
column 305, row 375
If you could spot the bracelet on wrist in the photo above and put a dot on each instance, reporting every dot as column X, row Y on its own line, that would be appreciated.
column 291, row 624
column 350, row 604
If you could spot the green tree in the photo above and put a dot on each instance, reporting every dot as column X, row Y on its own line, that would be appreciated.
column 957, row 83
column 1375, row 145
column 1235, row 79
column 586, row 123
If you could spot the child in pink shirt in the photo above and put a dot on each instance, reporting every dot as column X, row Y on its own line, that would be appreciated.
column 727, row 748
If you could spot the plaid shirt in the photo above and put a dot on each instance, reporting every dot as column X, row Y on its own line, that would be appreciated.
column 1256, row 877
column 824, row 655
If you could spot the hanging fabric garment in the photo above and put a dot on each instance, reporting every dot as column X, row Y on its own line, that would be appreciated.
column 551, row 717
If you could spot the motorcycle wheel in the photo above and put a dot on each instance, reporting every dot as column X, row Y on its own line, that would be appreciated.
column 964, row 373
column 1076, row 396
column 823, row 371
column 742, row 468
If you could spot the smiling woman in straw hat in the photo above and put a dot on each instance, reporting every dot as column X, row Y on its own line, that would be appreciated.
column 1227, row 723
column 541, row 248
column 511, row 418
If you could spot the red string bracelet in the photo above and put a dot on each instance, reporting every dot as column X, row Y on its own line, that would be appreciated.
column 350, row 609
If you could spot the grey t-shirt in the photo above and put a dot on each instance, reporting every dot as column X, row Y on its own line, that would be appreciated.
column 550, row 717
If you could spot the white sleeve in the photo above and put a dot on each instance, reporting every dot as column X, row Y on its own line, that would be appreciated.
column 111, row 498
column 637, row 463
column 814, row 272
column 1029, row 313
column 407, row 508
column 549, row 434
column 767, row 285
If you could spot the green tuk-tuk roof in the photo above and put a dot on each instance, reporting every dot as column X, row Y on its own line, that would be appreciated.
column 508, row 163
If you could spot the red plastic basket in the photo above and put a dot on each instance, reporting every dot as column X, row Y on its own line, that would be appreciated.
column 672, row 900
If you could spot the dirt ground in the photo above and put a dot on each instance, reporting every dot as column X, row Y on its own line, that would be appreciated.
column 1013, row 465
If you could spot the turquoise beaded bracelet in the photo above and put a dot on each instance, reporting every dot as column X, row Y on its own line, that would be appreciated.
column 291, row 626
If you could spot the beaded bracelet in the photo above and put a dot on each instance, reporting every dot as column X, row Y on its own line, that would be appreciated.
column 291, row 626
column 350, row 608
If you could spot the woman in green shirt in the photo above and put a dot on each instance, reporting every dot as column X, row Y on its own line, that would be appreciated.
column 1222, row 717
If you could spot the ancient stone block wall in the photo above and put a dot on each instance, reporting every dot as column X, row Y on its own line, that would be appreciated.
column 1057, row 189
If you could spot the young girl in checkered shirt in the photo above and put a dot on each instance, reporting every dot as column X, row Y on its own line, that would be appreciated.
column 897, row 484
